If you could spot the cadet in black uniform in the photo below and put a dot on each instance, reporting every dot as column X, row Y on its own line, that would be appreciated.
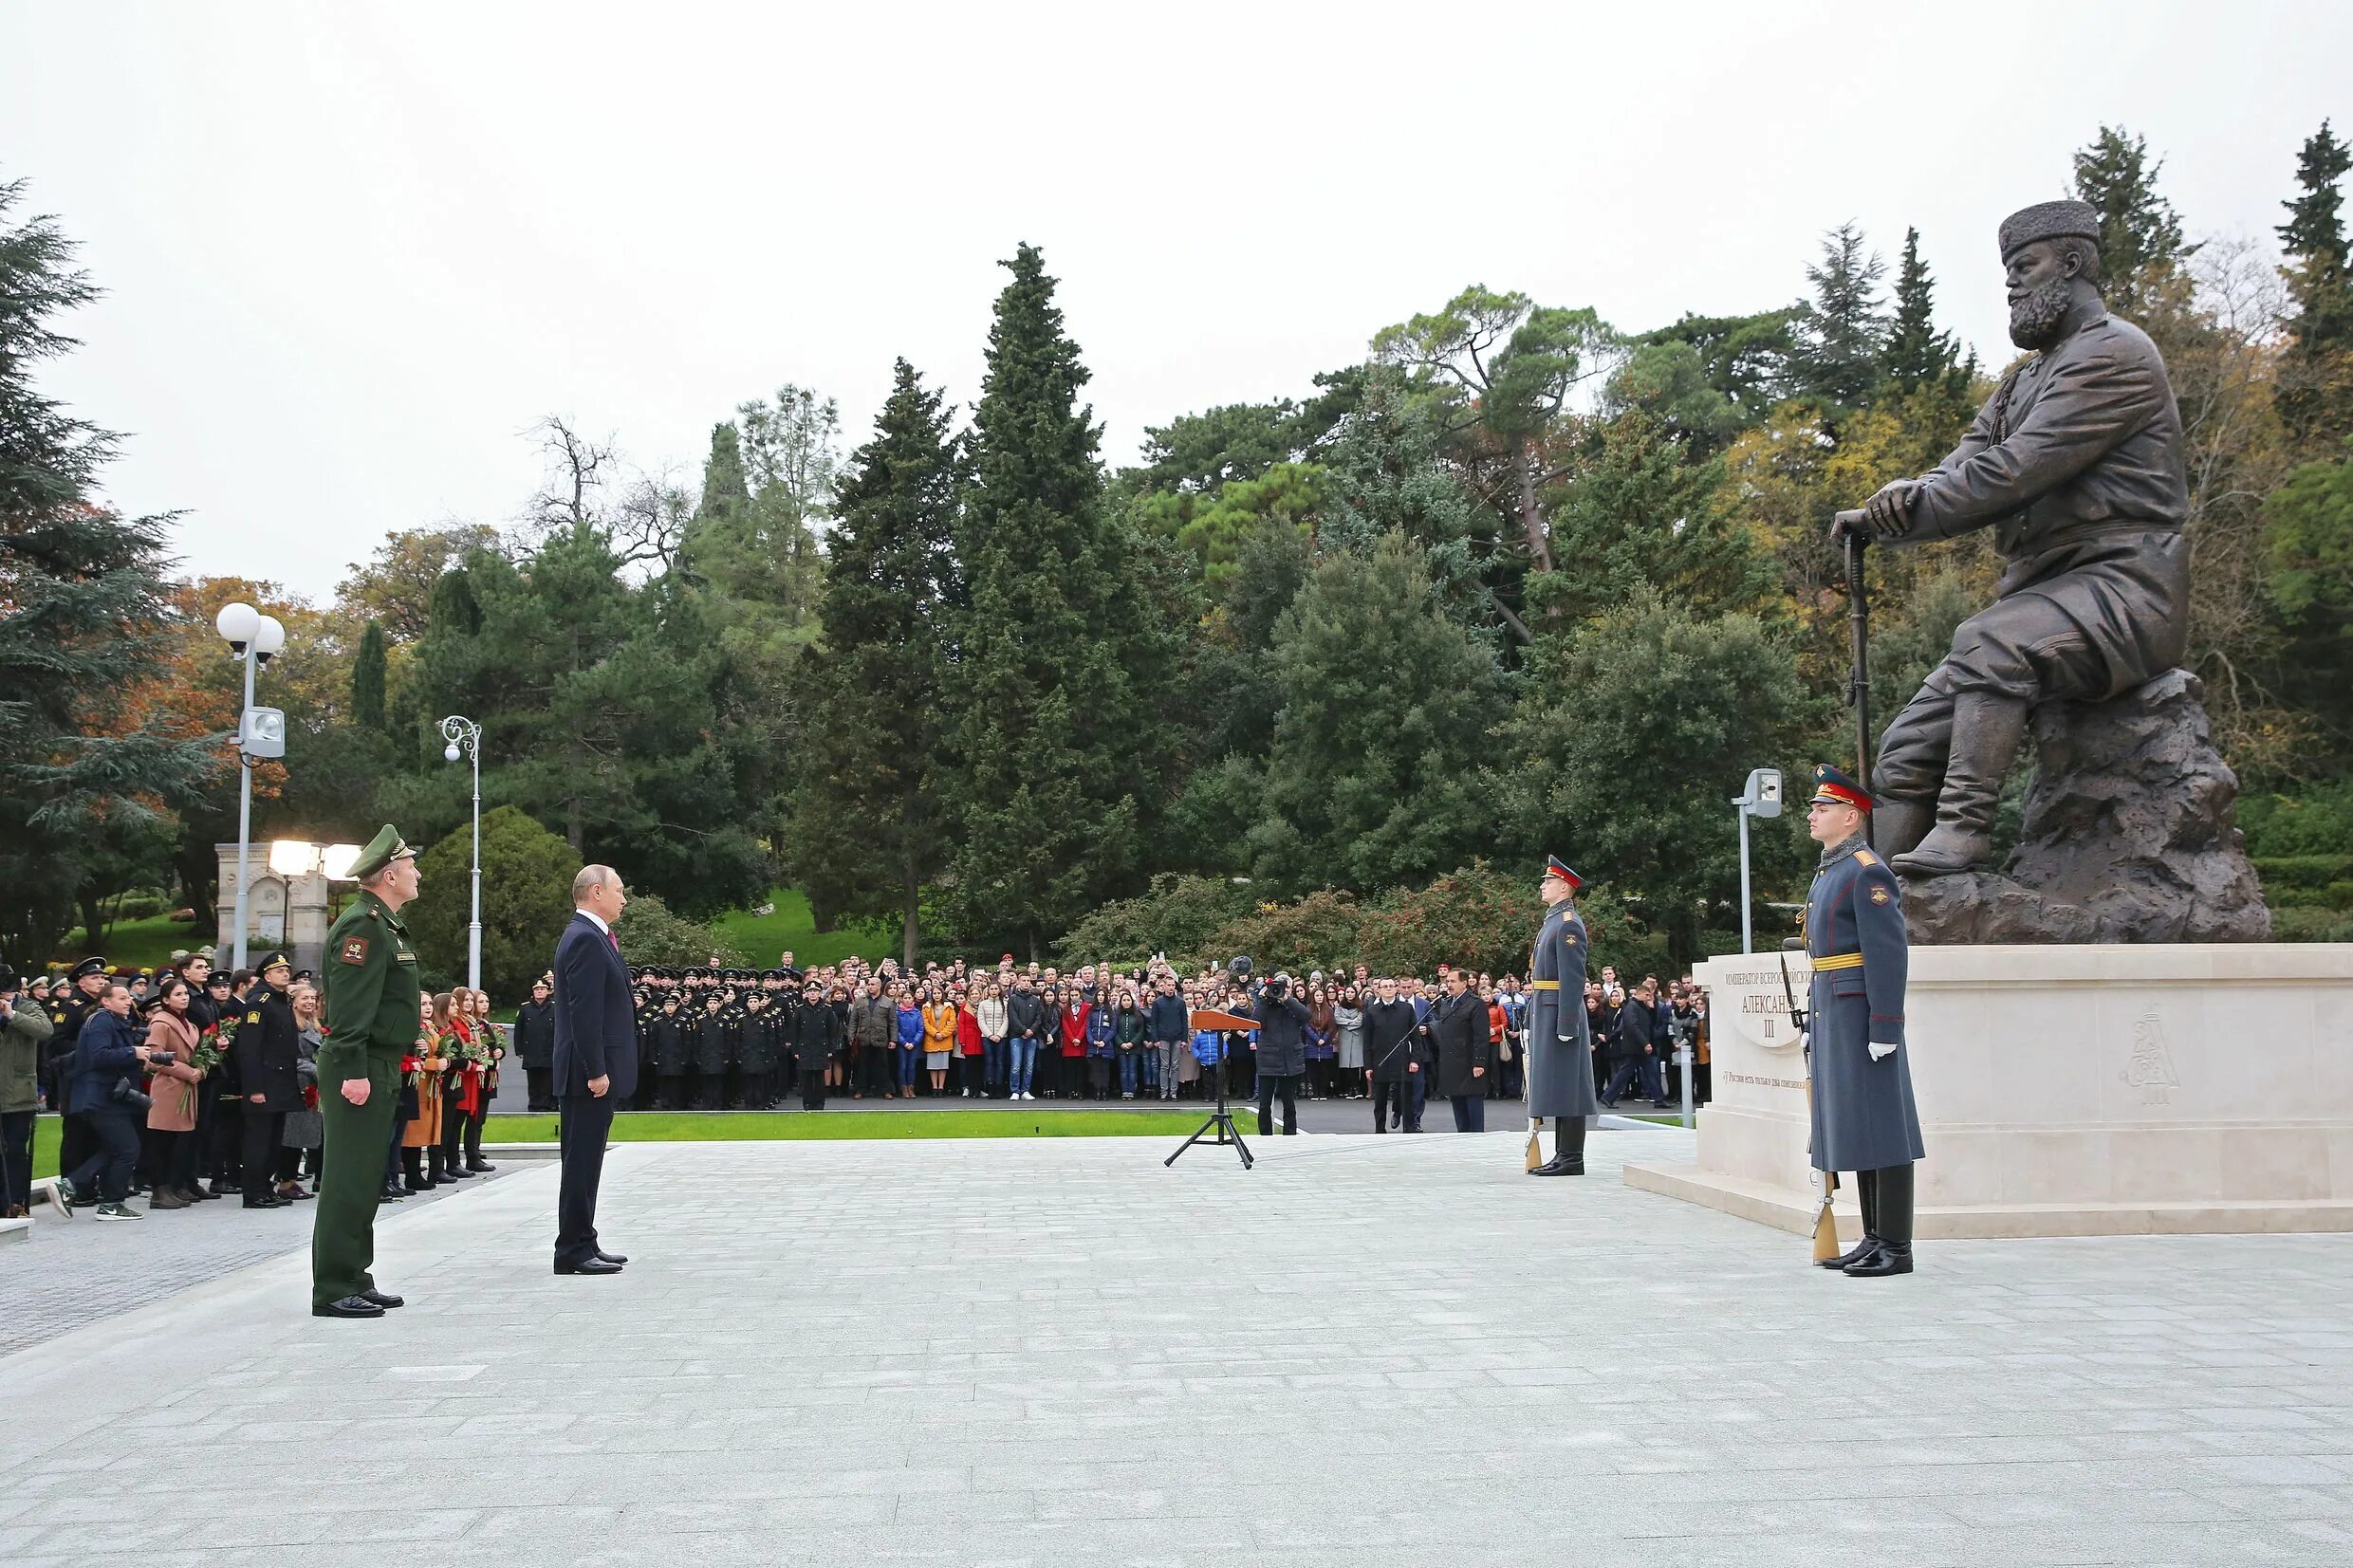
column 714, row 1048
column 666, row 1039
column 816, row 1033
column 269, row 1054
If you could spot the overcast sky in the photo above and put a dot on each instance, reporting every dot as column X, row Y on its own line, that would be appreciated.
column 351, row 253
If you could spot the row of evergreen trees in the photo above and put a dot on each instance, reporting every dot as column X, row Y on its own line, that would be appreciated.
column 1517, row 581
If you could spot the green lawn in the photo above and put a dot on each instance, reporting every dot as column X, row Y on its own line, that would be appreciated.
column 763, row 936
column 707, row 1127
column 142, row 944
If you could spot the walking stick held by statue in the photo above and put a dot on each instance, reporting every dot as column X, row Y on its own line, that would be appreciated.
column 1825, row 1225
column 1859, row 645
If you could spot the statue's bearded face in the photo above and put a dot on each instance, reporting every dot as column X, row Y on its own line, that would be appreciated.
column 2042, row 286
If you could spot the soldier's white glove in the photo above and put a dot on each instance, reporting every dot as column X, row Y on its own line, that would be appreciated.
column 1881, row 1050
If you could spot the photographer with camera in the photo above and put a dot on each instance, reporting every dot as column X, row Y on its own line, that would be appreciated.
column 99, row 1088
column 1281, row 1050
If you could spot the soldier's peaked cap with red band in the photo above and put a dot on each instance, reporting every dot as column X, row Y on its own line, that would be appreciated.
column 1830, row 785
column 1555, row 866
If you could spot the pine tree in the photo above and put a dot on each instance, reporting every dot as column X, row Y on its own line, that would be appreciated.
column 367, row 678
column 2140, row 232
column 1053, row 738
column 83, row 608
column 866, row 815
column 2315, row 393
column 1916, row 352
column 1842, row 329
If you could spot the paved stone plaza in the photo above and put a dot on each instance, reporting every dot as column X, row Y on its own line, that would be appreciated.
column 1393, row 1351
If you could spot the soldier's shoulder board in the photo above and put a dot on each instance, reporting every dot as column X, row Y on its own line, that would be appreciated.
column 353, row 950
column 1865, row 857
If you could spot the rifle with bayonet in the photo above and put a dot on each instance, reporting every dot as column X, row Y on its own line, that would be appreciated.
column 1825, row 1225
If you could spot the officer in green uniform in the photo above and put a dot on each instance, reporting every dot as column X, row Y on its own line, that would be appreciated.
column 371, row 991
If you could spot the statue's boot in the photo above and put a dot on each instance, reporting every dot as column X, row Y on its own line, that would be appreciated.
column 1986, row 731
column 1898, row 826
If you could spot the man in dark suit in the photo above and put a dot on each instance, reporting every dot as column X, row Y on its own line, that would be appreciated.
column 596, row 1061
column 1464, row 1048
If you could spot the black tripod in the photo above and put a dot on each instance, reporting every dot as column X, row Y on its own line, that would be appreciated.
column 1221, row 1121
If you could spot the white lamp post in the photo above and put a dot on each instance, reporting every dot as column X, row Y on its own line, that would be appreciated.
column 464, row 738
column 254, row 638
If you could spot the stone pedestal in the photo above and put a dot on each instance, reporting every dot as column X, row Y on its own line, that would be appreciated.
column 2063, row 1091
column 2129, row 835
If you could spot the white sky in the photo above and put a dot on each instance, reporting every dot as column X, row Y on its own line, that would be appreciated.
column 352, row 252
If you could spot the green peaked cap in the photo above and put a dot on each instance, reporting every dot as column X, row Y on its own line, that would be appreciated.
column 383, row 850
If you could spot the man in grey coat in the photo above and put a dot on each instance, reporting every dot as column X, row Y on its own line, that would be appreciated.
column 1862, row 1113
column 1559, row 1048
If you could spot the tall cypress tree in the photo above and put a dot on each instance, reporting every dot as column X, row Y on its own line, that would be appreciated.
column 1916, row 352
column 867, row 816
column 1052, row 744
column 2140, row 232
column 83, row 615
column 367, row 678
column 2315, row 395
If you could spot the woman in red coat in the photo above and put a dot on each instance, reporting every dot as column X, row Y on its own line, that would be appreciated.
column 969, row 1050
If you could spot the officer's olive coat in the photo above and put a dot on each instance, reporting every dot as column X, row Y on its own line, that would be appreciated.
column 1559, row 1048
column 1863, row 1117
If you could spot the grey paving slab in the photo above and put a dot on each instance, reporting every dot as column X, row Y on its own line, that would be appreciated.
column 74, row 1272
column 1367, row 1351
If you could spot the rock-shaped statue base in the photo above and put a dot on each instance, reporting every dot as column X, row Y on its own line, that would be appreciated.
column 2128, row 836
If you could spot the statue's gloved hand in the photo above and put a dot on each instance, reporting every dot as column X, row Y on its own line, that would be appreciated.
column 1890, row 511
column 1881, row 1050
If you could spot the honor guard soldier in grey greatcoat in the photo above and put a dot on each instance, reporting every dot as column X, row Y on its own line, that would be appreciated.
column 1864, row 1118
column 1560, row 1051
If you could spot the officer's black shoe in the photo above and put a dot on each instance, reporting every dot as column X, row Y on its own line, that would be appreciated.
column 265, row 1202
column 1560, row 1165
column 612, row 1257
column 1892, row 1258
column 480, row 1168
column 381, row 1298
column 1861, row 1251
column 350, row 1306
column 456, row 1172
column 393, row 1193
column 589, row 1265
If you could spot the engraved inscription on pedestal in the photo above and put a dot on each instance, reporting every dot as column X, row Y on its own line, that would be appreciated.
column 2151, row 1069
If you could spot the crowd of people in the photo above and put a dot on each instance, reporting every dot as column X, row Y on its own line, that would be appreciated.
column 191, row 1083
column 717, row 1038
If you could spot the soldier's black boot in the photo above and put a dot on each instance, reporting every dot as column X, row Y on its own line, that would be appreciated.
column 1986, row 731
column 1867, row 1198
column 1895, row 1254
column 1568, row 1149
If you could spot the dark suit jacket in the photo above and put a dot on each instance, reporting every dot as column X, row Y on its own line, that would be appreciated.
column 1459, row 1027
column 595, row 1019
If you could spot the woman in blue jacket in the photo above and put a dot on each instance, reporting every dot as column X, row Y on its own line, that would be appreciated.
column 98, row 1086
